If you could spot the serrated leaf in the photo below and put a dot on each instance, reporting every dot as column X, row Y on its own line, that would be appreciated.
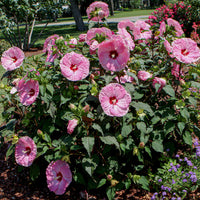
column 126, row 130
column 101, row 183
column 88, row 143
column 157, row 145
column 144, row 182
column 169, row 127
column 89, row 165
column 98, row 128
column 141, row 105
column 141, row 126
column 181, row 126
column 10, row 151
column 50, row 88
column 169, row 90
column 185, row 113
column 187, row 137
column 110, row 140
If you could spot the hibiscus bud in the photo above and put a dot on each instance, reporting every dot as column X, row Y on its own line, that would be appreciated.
column 86, row 108
column 182, row 82
column 2, row 96
column 66, row 159
column 73, row 42
column 72, row 107
column 135, row 151
column 143, row 75
column 114, row 182
column 119, row 138
column 15, row 139
column 2, row 86
column 141, row 145
column 39, row 132
column 72, row 125
column 109, row 177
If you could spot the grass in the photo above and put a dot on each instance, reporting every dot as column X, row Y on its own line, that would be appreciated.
column 2, row 70
column 71, row 29
column 117, row 14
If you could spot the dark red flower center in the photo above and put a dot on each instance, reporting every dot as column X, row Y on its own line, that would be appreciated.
column 113, row 54
column 184, row 52
column 113, row 100
column 14, row 59
column 31, row 92
column 28, row 150
column 59, row 176
column 142, row 30
column 73, row 67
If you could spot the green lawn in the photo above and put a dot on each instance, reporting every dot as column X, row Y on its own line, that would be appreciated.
column 117, row 14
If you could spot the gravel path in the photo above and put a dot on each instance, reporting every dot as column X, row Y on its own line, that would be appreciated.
column 109, row 20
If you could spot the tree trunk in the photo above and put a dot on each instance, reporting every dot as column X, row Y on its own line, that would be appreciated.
column 111, row 7
column 77, row 16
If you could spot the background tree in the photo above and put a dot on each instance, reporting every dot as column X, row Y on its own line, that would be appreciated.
column 15, row 13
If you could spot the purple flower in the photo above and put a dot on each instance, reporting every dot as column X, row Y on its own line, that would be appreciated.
column 193, row 178
column 173, row 181
column 184, row 180
column 189, row 163
column 159, row 180
column 164, row 193
column 184, row 191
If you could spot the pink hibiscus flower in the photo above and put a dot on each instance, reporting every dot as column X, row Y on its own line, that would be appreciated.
column 176, row 70
column 82, row 37
column 125, row 78
column 72, row 125
column 48, row 42
column 97, row 11
column 142, row 30
column 58, row 176
column 160, row 81
column 126, row 24
column 28, row 91
column 93, row 47
column 185, row 50
column 25, row 151
column 114, row 100
column 168, row 47
column 12, row 58
column 162, row 28
column 91, row 34
column 74, row 66
column 73, row 42
column 143, row 75
column 127, row 38
column 176, row 25
column 113, row 54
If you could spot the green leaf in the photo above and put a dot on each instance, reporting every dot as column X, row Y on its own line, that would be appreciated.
column 89, row 165
column 10, row 151
column 101, row 183
column 141, row 126
column 110, row 140
column 144, row 182
column 181, row 126
column 50, row 88
column 88, row 143
column 143, row 106
column 185, row 113
column 169, row 90
column 110, row 193
column 187, row 137
column 157, row 145
column 169, row 127
column 34, row 172
column 147, row 149
column 126, row 130
column 52, row 109
column 98, row 128
column 137, row 95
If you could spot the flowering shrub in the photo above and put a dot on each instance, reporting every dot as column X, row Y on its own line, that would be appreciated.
column 104, row 113
column 179, row 176
column 179, row 11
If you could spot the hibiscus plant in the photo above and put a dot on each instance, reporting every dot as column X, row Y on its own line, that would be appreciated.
column 101, row 110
